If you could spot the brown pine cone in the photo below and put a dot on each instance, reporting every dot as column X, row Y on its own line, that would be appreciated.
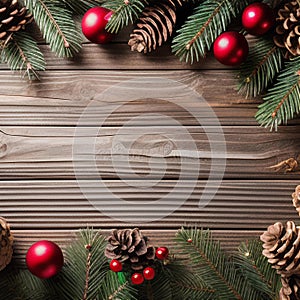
column 155, row 26
column 282, row 248
column 288, row 29
column 296, row 199
column 130, row 245
column 13, row 18
column 6, row 241
column 290, row 288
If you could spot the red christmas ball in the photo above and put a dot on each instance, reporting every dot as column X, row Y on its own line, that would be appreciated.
column 44, row 259
column 231, row 48
column 93, row 25
column 149, row 273
column 162, row 253
column 115, row 265
column 258, row 18
column 137, row 278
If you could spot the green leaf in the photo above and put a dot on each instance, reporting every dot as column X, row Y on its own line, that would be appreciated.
column 207, row 22
column 57, row 25
column 282, row 101
column 124, row 13
column 22, row 53
column 264, row 62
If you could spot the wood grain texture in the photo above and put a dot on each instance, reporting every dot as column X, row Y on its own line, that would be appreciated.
column 238, row 204
column 151, row 152
column 39, row 194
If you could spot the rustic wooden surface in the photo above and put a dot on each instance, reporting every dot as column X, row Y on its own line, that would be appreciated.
column 40, row 196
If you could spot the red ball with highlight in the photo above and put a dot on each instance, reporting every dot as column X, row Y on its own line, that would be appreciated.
column 93, row 25
column 258, row 18
column 44, row 259
column 231, row 48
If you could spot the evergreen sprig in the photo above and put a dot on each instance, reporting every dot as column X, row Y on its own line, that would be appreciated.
column 208, row 20
column 264, row 62
column 125, row 12
column 215, row 268
column 282, row 102
column 22, row 53
column 258, row 271
column 56, row 23
column 79, row 7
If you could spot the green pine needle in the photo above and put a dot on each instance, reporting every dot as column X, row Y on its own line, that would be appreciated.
column 79, row 7
column 215, row 268
column 124, row 13
column 57, row 25
column 22, row 53
column 264, row 62
column 207, row 22
column 282, row 101
column 258, row 271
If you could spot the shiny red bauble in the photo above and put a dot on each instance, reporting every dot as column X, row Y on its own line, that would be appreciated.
column 162, row 253
column 44, row 259
column 258, row 18
column 231, row 48
column 149, row 273
column 93, row 25
column 115, row 265
column 137, row 278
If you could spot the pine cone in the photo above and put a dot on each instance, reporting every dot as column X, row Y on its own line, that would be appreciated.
column 130, row 245
column 6, row 241
column 13, row 17
column 296, row 199
column 155, row 26
column 290, row 288
column 282, row 248
column 288, row 29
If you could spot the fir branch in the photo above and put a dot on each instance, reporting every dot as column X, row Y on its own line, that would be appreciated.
column 125, row 12
column 201, row 29
column 22, row 53
column 216, row 269
column 79, row 7
column 257, row 270
column 264, row 62
column 57, row 25
column 282, row 101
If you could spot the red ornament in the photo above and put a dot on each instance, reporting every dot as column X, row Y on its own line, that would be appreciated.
column 115, row 265
column 44, row 259
column 162, row 253
column 258, row 18
column 149, row 273
column 93, row 25
column 231, row 48
column 137, row 278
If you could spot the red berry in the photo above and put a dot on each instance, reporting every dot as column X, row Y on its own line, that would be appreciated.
column 162, row 253
column 149, row 273
column 189, row 240
column 115, row 265
column 137, row 278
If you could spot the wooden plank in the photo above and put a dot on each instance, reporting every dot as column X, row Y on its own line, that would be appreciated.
column 118, row 56
column 237, row 205
column 147, row 152
column 23, row 239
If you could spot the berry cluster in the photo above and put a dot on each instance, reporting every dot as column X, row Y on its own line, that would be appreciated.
column 148, row 273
